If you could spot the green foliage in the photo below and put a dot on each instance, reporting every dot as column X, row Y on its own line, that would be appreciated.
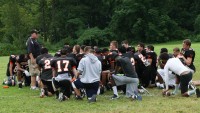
column 96, row 22
column 8, row 49
column 94, row 36
column 197, row 25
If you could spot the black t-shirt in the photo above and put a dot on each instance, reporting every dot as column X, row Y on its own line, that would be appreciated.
column 126, row 65
column 33, row 47
column 45, row 65
column 152, row 55
column 63, row 64
column 12, row 60
column 129, row 55
column 190, row 53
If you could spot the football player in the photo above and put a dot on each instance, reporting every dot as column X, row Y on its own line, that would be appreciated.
column 44, row 63
column 188, row 55
column 62, row 69
column 11, row 71
column 22, row 70
column 160, row 72
column 139, row 65
column 129, row 77
column 151, row 70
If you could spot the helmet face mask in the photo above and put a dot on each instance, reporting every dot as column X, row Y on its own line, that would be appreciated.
column 10, row 81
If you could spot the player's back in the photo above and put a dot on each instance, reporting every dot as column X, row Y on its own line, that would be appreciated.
column 63, row 64
column 45, row 64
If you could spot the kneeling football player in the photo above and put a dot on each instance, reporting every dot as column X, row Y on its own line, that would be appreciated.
column 62, row 68
column 130, row 78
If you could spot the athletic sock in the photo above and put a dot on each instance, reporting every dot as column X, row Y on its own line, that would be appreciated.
column 19, row 82
column 176, row 89
column 157, row 84
column 115, row 90
column 46, row 91
column 162, row 85
column 191, row 92
column 33, row 87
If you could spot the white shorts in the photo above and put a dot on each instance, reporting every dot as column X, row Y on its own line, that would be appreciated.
column 172, row 77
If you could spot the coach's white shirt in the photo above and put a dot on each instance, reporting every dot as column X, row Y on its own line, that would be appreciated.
column 174, row 65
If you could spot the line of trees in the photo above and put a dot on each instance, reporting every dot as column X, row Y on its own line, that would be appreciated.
column 96, row 22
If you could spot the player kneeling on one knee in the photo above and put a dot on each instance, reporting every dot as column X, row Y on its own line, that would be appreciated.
column 129, row 78
column 61, row 69
column 90, row 69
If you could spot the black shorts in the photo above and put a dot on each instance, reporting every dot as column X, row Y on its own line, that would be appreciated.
column 48, row 84
column 184, row 82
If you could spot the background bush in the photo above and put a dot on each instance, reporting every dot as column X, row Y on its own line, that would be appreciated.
column 97, row 22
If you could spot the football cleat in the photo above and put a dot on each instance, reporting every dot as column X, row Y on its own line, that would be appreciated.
column 114, row 97
column 83, row 93
column 20, row 85
column 93, row 99
column 79, row 98
column 197, row 92
column 61, row 97
column 191, row 85
column 42, row 93
column 136, row 96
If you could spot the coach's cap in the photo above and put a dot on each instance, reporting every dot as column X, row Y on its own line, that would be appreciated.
column 34, row 31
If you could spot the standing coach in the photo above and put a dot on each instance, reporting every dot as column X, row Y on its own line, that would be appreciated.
column 33, row 48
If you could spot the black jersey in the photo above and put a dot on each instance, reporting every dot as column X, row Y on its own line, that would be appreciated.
column 105, row 63
column 190, row 53
column 23, row 61
column 79, row 57
column 63, row 64
column 100, row 58
column 72, row 55
column 126, row 65
column 43, row 56
column 152, row 55
column 45, row 65
column 12, row 60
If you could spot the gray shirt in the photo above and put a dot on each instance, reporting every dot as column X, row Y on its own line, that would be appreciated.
column 90, row 68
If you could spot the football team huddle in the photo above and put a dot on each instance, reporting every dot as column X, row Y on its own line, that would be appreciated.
column 90, row 71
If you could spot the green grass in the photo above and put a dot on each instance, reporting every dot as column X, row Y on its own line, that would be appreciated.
column 25, row 100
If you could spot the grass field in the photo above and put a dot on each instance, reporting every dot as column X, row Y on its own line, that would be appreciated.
column 26, row 100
